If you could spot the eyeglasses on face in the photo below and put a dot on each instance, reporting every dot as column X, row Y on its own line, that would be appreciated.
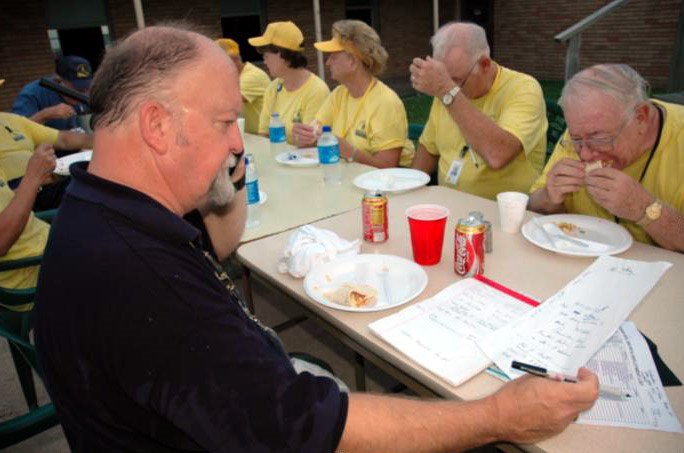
column 601, row 143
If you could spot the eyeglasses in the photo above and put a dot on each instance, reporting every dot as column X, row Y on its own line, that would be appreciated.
column 596, row 144
column 465, row 79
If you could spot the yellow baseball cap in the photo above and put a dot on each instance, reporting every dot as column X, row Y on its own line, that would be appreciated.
column 230, row 46
column 333, row 45
column 282, row 34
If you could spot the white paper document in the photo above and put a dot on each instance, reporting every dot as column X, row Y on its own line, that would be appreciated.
column 564, row 332
column 625, row 362
column 439, row 333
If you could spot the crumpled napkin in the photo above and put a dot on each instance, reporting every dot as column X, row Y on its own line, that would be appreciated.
column 309, row 246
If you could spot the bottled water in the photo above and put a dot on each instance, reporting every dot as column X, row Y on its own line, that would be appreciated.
column 252, row 184
column 277, row 135
column 329, row 156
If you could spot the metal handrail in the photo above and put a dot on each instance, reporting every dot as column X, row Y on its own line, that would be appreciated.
column 578, row 27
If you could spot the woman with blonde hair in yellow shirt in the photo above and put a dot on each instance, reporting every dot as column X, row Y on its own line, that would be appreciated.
column 295, row 93
column 366, row 115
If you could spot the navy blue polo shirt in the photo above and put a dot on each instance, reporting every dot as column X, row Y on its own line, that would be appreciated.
column 144, row 349
column 33, row 98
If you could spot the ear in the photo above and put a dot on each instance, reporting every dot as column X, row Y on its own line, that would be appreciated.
column 154, row 122
column 641, row 112
column 485, row 63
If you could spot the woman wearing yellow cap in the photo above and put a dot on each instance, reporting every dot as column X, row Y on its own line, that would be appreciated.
column 368, row 117
column 295, row 93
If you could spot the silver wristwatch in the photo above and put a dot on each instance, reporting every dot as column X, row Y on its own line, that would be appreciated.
column 448, row 98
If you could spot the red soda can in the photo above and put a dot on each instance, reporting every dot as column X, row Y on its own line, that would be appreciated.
column 469, row 246
column 374, row 212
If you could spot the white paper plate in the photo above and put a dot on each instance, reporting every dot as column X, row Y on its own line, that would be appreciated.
column 63, row 163
column 405, row 280
column 392, row 179
column 614, row 236
column 304, row 157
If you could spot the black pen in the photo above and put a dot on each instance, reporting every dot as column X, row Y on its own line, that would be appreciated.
column 543, row 372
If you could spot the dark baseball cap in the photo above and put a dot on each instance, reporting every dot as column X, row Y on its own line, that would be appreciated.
column 76, row 70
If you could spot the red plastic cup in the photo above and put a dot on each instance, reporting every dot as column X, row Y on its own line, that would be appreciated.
column 427, row 223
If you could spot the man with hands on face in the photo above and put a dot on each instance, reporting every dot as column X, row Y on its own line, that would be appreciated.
column 487, row 126
column 621, row 158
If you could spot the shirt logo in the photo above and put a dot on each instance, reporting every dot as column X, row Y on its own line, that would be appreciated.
column 297, row 118
column 361, row 130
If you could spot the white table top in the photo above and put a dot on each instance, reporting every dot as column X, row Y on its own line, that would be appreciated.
column 297, row 196
column 518, row 264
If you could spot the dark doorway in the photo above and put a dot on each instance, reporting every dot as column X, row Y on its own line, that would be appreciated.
column 84, row 42
column 239, row 29
column 480, row 12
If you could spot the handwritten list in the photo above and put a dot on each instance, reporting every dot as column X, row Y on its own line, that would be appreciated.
column 564, row 332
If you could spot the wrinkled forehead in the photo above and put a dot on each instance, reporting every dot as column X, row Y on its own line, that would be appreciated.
column 592, row 111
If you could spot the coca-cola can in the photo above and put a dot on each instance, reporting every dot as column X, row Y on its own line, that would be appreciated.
column 469, row 246
column 374, row 215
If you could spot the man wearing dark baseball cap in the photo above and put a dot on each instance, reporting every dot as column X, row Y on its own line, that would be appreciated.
column 47, row 107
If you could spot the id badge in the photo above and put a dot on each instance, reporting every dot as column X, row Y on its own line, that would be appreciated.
column 454, row 171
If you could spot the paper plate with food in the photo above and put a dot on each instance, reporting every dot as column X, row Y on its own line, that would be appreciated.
column 577, row 235
column 365, row 283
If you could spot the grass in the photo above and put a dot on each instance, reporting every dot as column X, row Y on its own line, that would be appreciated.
column 418, row 107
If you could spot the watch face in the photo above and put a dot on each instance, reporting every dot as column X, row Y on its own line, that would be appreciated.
column 447, row 99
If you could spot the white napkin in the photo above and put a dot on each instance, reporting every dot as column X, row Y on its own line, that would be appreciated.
column 309, row 246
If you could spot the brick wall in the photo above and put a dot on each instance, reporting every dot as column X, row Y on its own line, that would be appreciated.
column 642, row 34
column 25, row 52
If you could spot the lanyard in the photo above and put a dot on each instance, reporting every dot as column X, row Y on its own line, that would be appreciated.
column 653, row 150
column 358, row 109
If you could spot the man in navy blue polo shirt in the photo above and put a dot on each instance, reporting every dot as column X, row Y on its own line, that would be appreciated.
column 46, row 106
column 144, row 342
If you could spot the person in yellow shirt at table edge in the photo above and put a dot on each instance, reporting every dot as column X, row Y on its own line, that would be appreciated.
column 621, row 158
column 367, row 116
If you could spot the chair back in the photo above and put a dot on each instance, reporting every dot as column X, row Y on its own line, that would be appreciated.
column 554, row 115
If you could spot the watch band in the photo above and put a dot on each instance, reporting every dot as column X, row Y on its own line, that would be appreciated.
column 651, row 213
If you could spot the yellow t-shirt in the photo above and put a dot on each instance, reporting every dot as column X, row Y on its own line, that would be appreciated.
column 19, row 136
column 31, row 242
column 374, row 122
column 516, row 104
column 299, row 106
column 664, row 178
column 253, row 83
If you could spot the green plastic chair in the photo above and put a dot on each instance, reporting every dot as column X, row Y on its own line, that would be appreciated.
column 415, row 130
column 554, row 115
column 19, row 323
column 38, row 418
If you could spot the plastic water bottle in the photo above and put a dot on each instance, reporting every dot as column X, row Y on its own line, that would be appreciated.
column 277, row 135
column 329, row 156
column 253, row 199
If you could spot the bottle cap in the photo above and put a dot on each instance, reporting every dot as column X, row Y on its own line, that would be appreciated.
column 275, row 115
column 326, row 129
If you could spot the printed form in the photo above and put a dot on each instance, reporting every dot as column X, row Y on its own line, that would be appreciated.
column 625, row 362
column 564, row 332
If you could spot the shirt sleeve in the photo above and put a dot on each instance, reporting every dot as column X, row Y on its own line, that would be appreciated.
column 524, row 113
column 389, row 128
column 429, row 136
column 316, row 97
column 253, row 85
column 265, row 115
column 225, row 387
column 26, row 104
column 325, row 114
column 39, row 133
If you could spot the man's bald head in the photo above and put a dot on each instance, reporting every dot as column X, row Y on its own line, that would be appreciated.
column 141, row 67
column 468, row 36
